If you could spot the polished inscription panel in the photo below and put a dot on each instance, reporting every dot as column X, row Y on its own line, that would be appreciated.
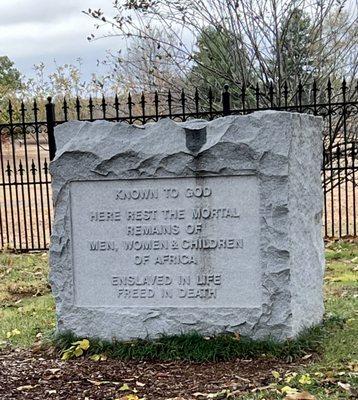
column 170, row 242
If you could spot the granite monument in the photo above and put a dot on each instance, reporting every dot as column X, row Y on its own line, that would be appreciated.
column 197, row 226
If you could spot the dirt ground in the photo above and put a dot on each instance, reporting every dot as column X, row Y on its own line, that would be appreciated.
column 26, row 375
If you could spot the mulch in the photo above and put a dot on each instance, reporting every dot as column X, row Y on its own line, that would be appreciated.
column 25, row 374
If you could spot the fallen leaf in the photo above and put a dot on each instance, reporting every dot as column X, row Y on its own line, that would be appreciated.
column 300, row 396
column 275, row 374
column 237, row 336
column 353, row 366
column 242, row 379
column 307, row 356
column 217, row 395
column 98, row 357
column 66, row 356
column 83, row 344
column 98, row 383
column 131, row 397
column 289, row 390
column 53, row 370
column 289, row 377
column 344, row 386
column 25, row 387
column 305, row 379
column 78, row 352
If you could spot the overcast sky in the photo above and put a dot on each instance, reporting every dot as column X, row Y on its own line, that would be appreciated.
column 32, row 31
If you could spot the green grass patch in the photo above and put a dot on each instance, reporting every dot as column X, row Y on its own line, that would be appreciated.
column 22, row 276
column 195, row 347
column 341, row 250
column 341, row 298
column 21, row 324
column 333, row 376
column 26, row 306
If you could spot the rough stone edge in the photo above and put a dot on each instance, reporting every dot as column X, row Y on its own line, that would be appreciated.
column 276, row 301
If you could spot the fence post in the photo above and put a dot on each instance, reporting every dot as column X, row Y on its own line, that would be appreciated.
column 51, row 120
column 226, row 100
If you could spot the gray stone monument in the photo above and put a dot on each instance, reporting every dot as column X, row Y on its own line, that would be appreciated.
column 198, row 226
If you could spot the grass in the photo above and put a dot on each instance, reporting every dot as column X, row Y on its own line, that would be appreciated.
column 27, row 312
column 341, row 298
column 26, row 306
column 22, row 276
column 194, row 347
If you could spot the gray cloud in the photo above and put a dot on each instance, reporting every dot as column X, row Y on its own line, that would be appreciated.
column 32, row 31
column 39, row 11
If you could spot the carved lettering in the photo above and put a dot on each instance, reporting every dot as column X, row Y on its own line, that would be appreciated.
column 174, row 214
column 141, row 215
column 207, row 213
column 146, row 245
column 165, row 242
column 102, row 245
column 136, row 293
column 206, row 244
column 143, row 230
column 105, row 216
column 137, row 194
column 149, row 280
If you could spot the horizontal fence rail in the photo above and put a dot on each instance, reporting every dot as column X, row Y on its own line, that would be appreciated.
column 27, row 145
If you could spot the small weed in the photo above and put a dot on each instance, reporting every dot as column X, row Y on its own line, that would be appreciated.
column 76, row 349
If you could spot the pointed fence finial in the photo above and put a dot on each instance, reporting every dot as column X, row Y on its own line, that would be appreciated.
column 169, row 103
column 156, row 105
column 196, row 100
column 183, row 101
column 226, row 100
column 104, row 106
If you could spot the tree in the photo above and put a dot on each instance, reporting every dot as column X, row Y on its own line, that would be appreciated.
column 268, row 40
column 64, row 81
column 10, row 83
column 217, row 52
column 10, row 77
column 146, row 64
column 293, row 53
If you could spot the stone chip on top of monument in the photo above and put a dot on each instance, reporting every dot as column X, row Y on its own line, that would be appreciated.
column 198, row 226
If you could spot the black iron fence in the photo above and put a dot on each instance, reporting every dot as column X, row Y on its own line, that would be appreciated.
column 27, row 145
